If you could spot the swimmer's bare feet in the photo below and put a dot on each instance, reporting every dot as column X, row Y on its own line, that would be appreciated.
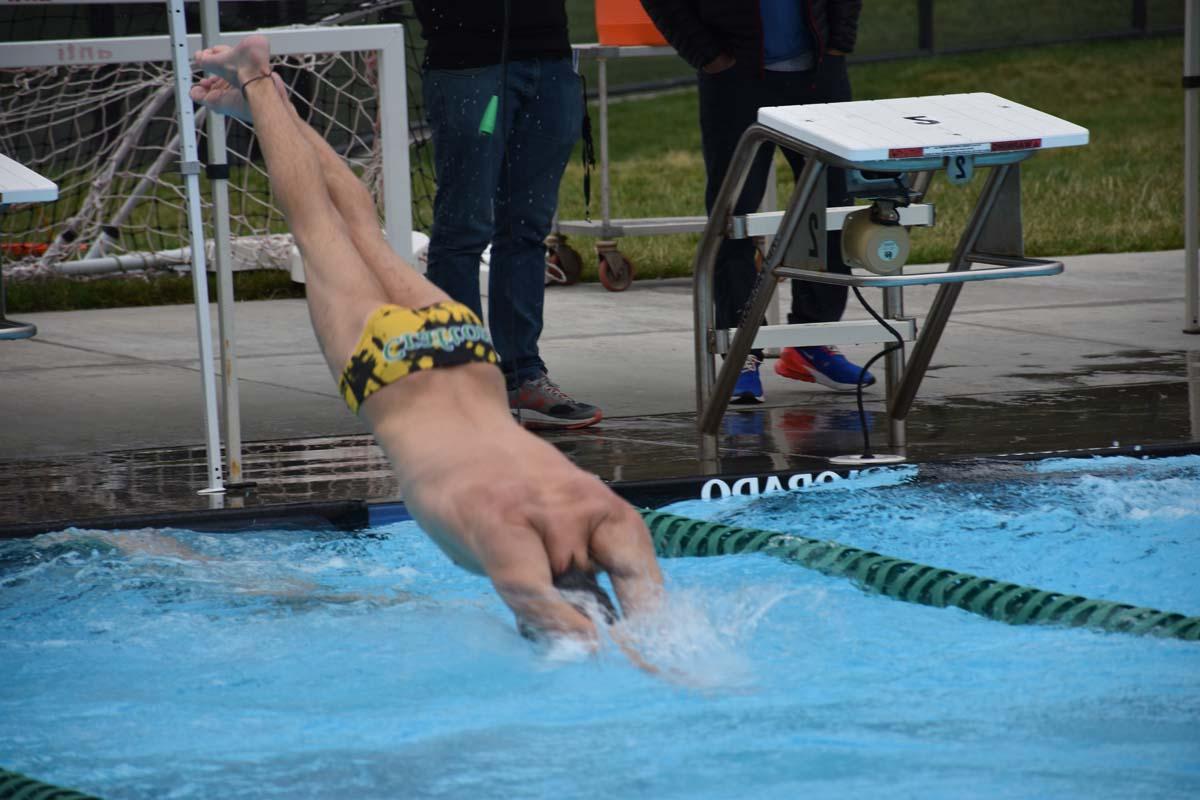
column 248, row 59
column 220, row 95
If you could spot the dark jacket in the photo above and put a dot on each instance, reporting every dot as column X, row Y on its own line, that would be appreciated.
column 468, row 33
column 700, row 30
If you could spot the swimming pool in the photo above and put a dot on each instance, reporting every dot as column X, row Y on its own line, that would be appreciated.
column 321, row 664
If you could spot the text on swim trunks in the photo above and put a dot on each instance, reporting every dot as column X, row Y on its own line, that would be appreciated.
column 447, row 337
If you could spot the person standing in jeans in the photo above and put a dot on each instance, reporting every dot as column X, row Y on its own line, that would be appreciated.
column 505, row 108
column 747, row 56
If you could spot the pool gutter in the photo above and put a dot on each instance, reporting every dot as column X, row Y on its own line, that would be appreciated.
column 360, row 514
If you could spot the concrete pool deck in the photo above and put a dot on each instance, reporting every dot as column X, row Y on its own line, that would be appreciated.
column 1089, row 358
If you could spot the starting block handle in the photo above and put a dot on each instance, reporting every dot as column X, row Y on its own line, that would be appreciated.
column 1012, row 268
column 766, row 223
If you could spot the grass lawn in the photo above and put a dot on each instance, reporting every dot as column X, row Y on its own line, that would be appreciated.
column 1123, row 192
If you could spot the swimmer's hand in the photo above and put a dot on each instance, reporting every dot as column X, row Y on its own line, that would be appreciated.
column 502, row 502
column 584, row 593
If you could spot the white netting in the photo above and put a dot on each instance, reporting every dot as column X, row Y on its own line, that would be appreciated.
column 107, row 134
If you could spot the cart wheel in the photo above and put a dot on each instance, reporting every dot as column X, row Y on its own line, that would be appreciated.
column 568, row 262
column 616, row 271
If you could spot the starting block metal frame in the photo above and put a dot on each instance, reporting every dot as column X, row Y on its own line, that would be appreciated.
column 886, row 139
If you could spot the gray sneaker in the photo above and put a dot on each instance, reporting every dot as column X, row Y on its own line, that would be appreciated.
column 539, row 404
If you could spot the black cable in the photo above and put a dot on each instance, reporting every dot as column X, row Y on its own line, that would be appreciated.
column 504, row 37
column 587, row 152
column 862, row 376
column 899, row 179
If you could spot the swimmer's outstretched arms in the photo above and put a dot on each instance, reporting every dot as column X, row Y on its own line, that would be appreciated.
column 420, row 369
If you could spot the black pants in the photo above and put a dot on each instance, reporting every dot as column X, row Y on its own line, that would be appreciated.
column 729, row 103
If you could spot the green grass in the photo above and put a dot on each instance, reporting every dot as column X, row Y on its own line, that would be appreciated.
column 151, row 289
column 1122, row 192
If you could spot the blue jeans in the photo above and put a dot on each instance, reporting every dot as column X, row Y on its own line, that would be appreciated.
column 500, row 188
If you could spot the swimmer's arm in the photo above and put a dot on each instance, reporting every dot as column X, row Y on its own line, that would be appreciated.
column 130, row 543
column 501, row 502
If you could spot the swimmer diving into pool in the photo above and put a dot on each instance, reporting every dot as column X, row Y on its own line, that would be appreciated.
column 421, row 370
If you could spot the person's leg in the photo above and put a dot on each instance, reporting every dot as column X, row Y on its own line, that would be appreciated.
column 354, row 204
column 467, row 166
column 729, row 103
column 818, row 302
column 828, row 83
column 544, row 110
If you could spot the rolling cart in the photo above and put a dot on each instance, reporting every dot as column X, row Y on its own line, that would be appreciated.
column 616, row 270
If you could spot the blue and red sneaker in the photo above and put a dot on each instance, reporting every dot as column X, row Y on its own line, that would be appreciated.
column 748, row 389
column 824, row 365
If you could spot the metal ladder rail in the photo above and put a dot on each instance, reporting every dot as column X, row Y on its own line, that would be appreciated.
column 711, row 407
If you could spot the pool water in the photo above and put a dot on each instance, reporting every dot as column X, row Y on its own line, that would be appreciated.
column 327, row 664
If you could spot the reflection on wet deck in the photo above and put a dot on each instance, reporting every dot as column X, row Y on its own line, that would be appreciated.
column 663, row 447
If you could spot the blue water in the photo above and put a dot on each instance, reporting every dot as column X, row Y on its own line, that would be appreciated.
column 320, row 665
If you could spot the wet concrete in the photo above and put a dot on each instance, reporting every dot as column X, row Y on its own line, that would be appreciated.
column 298, row 473
column 101, row 415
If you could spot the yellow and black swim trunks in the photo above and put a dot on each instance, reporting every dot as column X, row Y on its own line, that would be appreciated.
column 398, row 341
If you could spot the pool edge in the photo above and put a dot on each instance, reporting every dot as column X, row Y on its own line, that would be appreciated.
column 361, row 514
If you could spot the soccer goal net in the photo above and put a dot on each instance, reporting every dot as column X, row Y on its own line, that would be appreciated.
column 98, row 116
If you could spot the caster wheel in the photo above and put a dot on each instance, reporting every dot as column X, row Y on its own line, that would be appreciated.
column 564, row 266
column 616, row 271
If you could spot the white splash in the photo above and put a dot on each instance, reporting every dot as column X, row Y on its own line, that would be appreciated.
column 698, row 639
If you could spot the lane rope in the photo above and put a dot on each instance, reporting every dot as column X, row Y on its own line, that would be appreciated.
column 15, row 786
column 676, row 536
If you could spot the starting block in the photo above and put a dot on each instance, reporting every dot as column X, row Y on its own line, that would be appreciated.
column 891, row 149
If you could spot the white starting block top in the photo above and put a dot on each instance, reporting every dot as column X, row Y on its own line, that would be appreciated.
column 20, row 184
column 922, row 127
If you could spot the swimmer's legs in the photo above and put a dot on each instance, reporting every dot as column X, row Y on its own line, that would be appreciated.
column 342, row 289
column 348, row 193
column 354, row 203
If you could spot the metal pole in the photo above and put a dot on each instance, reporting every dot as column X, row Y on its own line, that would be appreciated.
column 712, row 392
column 1191, row 165
column 1193, row 381
column 703, row 268
column 764, row 292
column 1194, row 392
column 770, row 202
column 190, row 167
column 893, row 309
column 602, row 88
column 218, row 176
column 397, row 179
column 947, row 296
